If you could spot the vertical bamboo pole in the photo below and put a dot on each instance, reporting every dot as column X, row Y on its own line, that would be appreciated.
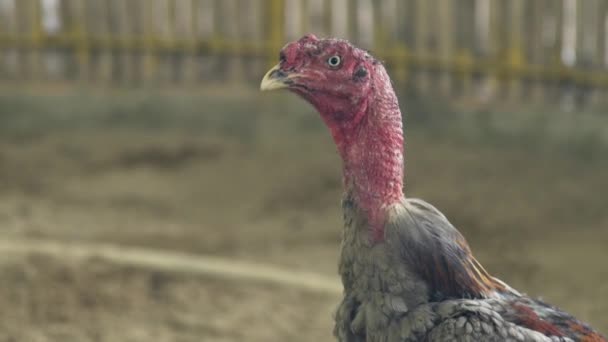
column 601, row 21
column 496, row 48
column 380, row 32
column 568, row 51
column 114, row 67
column 365, row 23
column 598, row 65
column 600, row 97
column 101, row 56
column 150, row 62
column 353, row 20
column 21, row 30
column 515, row 53
column 465, row 39
column 81, row 40
column 159, row 30
column 207, row 60
column 421, row 43
column 399, row 52
column 91, row 19
column 135, row 23
column 304, row 17
column 557, row 60
column 124, row 13
column 37, row 40
column 583, row 48
column 293, row 18
column 173, row 57
column 276, row 19
column 327, row 8
column 485, row 47
column 182, row 37
column 192, row 69
column 389, row 15
column 446, row 43
column 352, row 10
column 339, row 17
column 5, row 24
column 114, row 70
column 250, row 32
column 70, row 34
column 535, row 24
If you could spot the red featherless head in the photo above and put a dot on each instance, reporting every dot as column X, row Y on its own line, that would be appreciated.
column 355, row 98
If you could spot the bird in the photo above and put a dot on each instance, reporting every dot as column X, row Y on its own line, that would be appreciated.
column 407, row 273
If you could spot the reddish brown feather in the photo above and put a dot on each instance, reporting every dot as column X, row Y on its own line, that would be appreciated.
column 587, row 335
column 526, row 317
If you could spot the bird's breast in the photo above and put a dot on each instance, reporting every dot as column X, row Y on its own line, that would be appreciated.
column 373, row 273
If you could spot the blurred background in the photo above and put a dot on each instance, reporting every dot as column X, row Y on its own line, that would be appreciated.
column 139, row 123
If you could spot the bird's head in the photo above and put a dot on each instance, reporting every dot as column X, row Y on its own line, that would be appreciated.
column 333, row 75
column 353, row 94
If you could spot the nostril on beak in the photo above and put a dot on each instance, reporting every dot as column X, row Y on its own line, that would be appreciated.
column 280, row 75
column 277, row 74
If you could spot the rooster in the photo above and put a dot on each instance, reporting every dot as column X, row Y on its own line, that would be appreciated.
column 408, row 274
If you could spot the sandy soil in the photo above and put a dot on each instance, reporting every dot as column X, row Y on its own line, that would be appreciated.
column 257, row 180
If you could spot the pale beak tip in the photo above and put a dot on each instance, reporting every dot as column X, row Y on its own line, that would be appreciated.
column 271, row 81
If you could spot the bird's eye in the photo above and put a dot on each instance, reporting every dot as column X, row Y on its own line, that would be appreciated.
column 334, row 61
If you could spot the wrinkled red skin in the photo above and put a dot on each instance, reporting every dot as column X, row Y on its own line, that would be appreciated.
column 357, row 103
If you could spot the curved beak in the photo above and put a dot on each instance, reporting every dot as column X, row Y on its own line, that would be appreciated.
column 276, row 78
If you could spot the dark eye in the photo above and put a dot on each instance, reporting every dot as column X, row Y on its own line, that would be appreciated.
column 334, row 61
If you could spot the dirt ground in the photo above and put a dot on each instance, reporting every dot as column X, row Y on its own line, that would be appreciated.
column 255, row 178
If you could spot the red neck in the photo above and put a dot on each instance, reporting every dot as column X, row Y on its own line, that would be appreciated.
column 371, row 147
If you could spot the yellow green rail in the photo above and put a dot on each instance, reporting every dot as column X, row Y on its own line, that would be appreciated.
column 517, row 41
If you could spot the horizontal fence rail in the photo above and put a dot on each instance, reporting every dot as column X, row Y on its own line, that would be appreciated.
column 524, row 47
